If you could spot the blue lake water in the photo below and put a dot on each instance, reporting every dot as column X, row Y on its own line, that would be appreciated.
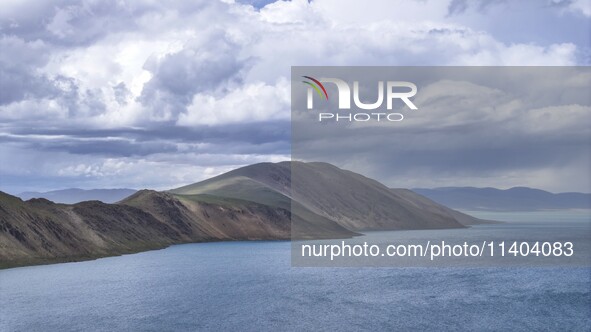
column 251, row 286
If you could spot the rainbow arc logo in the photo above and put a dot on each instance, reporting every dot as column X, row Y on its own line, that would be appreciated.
column 317, row 86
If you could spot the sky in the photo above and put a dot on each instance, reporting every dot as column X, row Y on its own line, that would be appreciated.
column 152, row 94
column 498, row 126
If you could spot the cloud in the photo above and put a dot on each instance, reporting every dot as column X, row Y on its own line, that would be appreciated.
column 202, row 65
column 54, row 169
column 270, row 137
column 19, row 80
column 165, row 80
column 460, row 6
column 495, row 126
column 248, row 103
column 576, row 6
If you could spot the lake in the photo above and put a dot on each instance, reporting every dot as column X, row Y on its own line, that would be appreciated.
column 251, row 286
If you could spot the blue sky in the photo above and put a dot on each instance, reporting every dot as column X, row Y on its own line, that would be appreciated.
column 149, row 94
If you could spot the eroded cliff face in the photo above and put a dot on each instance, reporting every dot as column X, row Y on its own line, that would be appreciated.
column 257, row 202
column 39, row 231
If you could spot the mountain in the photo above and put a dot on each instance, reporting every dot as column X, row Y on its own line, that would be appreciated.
column 75, row 195
column 514, row 199
column 40, row 231
column 256, row 202
column 350, row 199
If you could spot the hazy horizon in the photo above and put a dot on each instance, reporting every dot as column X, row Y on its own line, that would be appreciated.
column 169, row 188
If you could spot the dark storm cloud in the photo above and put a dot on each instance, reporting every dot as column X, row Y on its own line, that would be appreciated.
column 256, row 3
column 474, row 148
column 396, row 156
column 270, row 137
column 256, row 133
column 509, row 122
column 19, row 80
column 121, row 93
column 20, row 83
column 457, row 7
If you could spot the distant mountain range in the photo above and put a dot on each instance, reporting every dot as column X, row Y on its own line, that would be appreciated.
column 75, row 195
column 256, row 202
column 514, row 199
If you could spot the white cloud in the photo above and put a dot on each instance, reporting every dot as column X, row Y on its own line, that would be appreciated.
column 172, row 60
column 36, row 110
column 290, row 12
column 579, row 6
column 252, row 102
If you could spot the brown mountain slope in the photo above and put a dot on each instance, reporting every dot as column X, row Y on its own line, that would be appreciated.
column 257, row 202
column 352, row 200
column 39, row 231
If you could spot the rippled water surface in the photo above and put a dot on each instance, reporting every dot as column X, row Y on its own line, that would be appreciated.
column 251, row 286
